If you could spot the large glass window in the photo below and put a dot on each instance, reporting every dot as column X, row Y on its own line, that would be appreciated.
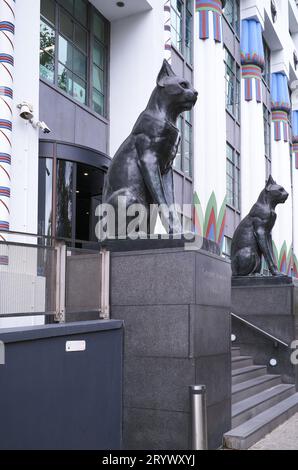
column 73, row 50
column 183, row 160
column 182, row 27
column 232, row 14
column 69, row 193
column 267, row 140
column 45, row 195
column 267, row 65
column 233, row 85
column 233, row 178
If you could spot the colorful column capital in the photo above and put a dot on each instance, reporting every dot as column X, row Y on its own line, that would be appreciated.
column 210, row 12
column 280, row 105
column 252, row 58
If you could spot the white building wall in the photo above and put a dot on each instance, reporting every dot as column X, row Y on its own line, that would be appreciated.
column 21, row 289
column 209, row 130
column 24, row 193
column 137, row 52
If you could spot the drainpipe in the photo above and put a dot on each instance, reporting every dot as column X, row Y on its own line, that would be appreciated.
column 7, row 35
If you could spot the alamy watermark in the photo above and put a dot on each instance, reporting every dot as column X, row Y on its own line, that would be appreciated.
column 294, row 355
column 136, row 221
column 2, row 353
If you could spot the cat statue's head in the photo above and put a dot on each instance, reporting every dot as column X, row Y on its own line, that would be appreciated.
column 275, row 193
column 176, row 92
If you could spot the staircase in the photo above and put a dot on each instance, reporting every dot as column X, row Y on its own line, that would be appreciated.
column 260, row 402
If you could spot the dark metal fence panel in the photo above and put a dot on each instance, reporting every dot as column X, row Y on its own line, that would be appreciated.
column 61, row 386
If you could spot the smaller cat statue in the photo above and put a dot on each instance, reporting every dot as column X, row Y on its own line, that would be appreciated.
column 252, row 239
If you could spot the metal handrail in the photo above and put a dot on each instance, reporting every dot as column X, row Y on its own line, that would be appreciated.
column 263, row 332
column 47, row 237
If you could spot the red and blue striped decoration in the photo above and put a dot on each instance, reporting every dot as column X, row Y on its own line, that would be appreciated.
column 5, row 124
column 7, row 59
column 4, row 225
column 280, row 120
column 167, row 30
column 5, row 158
column 204, row 8
column 250, row 73
column 7, row 34
column 7, row 26
column 6, row 91
column 4, row 191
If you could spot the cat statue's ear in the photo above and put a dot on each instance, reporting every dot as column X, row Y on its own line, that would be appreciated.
column 270, row 182
column 165, row 72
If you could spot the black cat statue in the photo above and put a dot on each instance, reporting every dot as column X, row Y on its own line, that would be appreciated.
column 141, row 171
column 252, row 238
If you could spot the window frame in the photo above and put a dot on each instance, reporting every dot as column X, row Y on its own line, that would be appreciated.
column 266, row 75
column 187, row 56
column 180, row 160
column 235, row 164
column 235, row 111
column 91, row 40
column 267, row 139
column 235, row 25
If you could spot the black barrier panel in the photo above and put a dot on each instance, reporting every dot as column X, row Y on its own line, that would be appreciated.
column 61, row 387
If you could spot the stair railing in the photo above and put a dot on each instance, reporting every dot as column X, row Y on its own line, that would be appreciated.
column 260, row 330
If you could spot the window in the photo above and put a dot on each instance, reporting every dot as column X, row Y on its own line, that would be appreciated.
column 227, row 247
column 267, row 65
column 267, row 140
column 232, row 14
column 233, row 178
column 233, row 85
column 68, row 31
column 182, row 27
column 183, row 160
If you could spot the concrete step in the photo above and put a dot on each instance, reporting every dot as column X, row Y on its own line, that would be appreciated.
column 250, row 407
column 247, row 373
column 253, row 386
column 235, row 352
column 239, row 362
column 244, row 436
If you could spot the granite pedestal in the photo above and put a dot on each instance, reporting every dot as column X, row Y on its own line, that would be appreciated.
column 176, row 308
column 270, row 303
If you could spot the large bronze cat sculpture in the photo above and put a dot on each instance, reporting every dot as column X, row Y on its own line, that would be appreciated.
column 141, row 170
column 252, row 238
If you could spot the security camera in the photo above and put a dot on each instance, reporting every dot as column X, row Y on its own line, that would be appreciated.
column 41, row 125
column 26, row 111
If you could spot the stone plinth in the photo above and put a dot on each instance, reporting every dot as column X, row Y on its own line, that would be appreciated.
column 175, row 305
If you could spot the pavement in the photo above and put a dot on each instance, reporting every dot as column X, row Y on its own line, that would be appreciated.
column 285, row 437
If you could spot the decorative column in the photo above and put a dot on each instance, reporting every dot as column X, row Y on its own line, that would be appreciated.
column 281, row 169
column 7, row 29
column 252, row 123
column 209, row 172
column 295, row 190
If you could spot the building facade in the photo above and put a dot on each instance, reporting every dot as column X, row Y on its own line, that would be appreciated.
column 86, row 69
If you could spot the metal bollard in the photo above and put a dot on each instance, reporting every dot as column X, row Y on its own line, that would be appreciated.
column 198, row 412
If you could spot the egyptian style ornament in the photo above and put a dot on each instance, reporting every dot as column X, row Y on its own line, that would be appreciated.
column 252, row 58
column 280, row 106
column 141, row 171
column 252, row 239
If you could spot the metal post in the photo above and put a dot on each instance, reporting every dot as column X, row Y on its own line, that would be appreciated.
column 105, row 285
column 198, row 413
column 60, row 281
